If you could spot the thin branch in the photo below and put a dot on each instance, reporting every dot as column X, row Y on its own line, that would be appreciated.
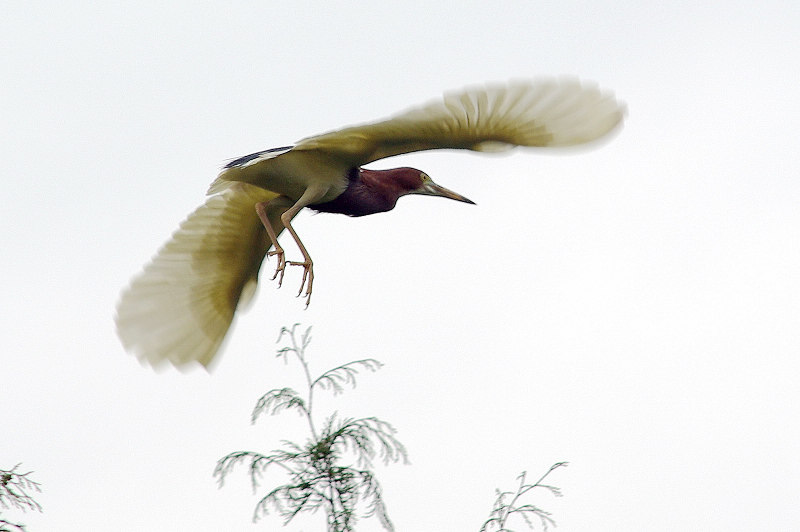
column 335, row 378
column 15, row 488
column 274, row 401
column 502, row 510
column 13, row 526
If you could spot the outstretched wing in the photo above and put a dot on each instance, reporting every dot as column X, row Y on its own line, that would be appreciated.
column 539, row 113
column 181, row 306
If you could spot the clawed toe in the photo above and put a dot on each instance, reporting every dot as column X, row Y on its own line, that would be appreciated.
column 281, row 267
column 308, row 278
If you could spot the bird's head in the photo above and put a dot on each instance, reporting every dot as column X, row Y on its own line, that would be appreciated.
column 413, row 181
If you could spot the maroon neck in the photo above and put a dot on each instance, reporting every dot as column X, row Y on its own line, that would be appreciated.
column 368, row 192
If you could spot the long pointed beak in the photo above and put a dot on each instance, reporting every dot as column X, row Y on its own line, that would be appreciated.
column 432, row 189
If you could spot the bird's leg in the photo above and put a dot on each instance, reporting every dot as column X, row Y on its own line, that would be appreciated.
column 307, row 263
column 310, row 196
column 261, row 210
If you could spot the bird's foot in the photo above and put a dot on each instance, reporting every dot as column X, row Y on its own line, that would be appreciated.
column 281, row 267
column 308, row 278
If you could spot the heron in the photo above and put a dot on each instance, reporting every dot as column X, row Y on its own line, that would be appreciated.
column 180, row 307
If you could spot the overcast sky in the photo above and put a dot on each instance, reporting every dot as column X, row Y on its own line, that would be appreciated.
column 633, row 309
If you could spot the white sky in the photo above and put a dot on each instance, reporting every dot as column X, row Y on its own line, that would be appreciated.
column 633, row 310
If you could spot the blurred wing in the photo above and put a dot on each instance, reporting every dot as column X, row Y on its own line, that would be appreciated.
column 556, row 112
column 181, row 306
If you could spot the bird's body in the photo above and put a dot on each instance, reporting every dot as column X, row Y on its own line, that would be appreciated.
column 180, row 308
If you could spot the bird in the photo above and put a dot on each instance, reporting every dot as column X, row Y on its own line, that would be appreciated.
column 180, row 307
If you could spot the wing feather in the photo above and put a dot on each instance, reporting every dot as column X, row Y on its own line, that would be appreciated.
column 539, row 113
column 181, row 306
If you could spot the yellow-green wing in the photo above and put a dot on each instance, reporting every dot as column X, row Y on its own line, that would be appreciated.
column 180, row 307
column 539, row 113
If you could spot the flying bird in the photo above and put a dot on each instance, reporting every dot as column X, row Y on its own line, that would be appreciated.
column 180, row 307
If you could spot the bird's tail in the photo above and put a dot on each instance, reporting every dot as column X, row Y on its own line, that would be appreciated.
column 181, row 306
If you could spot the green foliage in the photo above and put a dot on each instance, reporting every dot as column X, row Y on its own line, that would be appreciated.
column 508, row 504
column 15, row 489
column 318, row 475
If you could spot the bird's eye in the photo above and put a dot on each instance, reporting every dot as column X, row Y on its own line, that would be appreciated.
column 425, row 177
